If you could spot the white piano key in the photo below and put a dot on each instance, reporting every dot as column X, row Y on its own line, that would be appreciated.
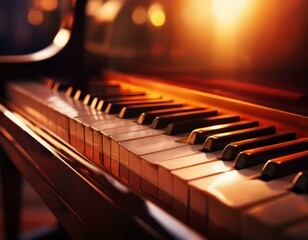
column 98, row 132
column 107, row 133
column 86, row 125
column 164, row 179
column 228, row 195
column 76, row 125
column 131, row 152
column 150, row 165
column 97, row 147
column 266, row 220
column 117, row 139
column 181, row 177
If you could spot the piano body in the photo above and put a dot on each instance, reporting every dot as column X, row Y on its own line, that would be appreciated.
column 163, row 120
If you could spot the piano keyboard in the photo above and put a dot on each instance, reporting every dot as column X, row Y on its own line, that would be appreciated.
column 223, row 173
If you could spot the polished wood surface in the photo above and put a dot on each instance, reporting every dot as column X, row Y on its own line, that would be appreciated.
column 87, row 202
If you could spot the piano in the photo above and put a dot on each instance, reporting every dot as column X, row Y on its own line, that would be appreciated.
column 162, row 120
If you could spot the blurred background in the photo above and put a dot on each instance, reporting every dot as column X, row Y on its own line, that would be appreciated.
column 37, row 222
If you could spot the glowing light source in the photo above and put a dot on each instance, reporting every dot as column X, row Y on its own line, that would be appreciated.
column 157, row 15
column 108, row 11
column 227, row 11
column 49, row 5
column 92, row 6
column 139, row 15
column 35, row 17
column 62, row 37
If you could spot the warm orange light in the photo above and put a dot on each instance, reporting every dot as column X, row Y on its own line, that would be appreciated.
column 139, row 15
column 35, row 17
column 227, row 11
column 49, row 5
column 228, row 17
column 108, row 10
column 157, row 49
column 62, row 37
column 157, row 15
column 92, row 6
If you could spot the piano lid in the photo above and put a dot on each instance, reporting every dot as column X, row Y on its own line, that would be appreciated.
column 251, row 50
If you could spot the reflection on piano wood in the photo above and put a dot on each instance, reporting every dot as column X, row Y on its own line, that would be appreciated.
column 224, row 167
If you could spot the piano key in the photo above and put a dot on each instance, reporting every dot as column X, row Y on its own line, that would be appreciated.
column 300, row 182
column 116, row 93
column 225, row 197
column 117, row 106
column 90, row 127
column 60, row 109
column 233, row 149
column 80, row 95
column 88, row 99
column 89, row 119
column 61, row 86
column 281, row 166
column 164, row 174
column 148, row 117
column 98, row 85
column 150, row 165
column 164, row 120
column 181, row 178
column 112, row 93
column 104, row 102
column 77, row 122
column 199, row 135
column 94, row 104
column 49, row 82
column 260, row 155
column 219, row 141
column 268, row 221
column 130, row 153
column 97, row 130
column 149, row 170
column 113, row 153
column 189, row 125
column 106, row 134
column 70, row 92
column 136, row 110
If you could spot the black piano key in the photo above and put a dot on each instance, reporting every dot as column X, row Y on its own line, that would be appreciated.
column 148, row 117
column 49, row 82
column 252, row 157
column 189, row 125
column 93, row 104
column 61, row 86
column 233, row 149
column 136, row 110
column 104, row 102
column 71, row 91
column 219, row 141
column 99, row 85
column 80, row 95
column 88, row 99
column 201, row 134
column 116, row 107
column 164, row 120
column 116, row 93
column 300, row 182
column 282, row 166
